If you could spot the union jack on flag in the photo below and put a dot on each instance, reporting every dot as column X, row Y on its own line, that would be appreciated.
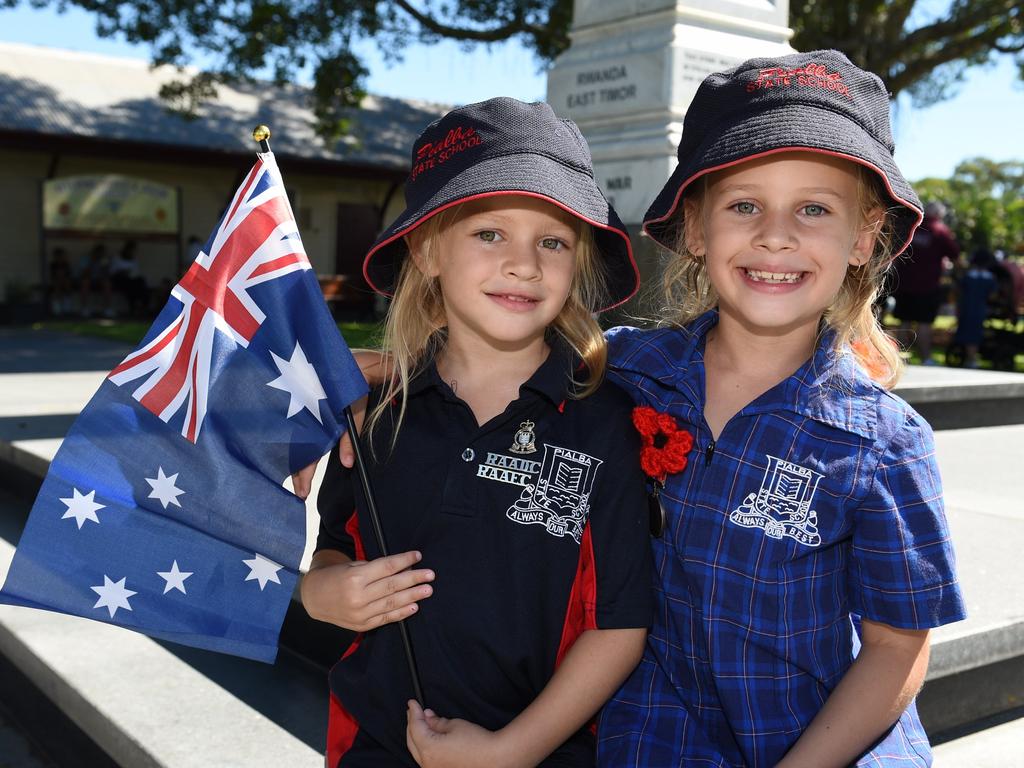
column 257, row 240
column 164, row 509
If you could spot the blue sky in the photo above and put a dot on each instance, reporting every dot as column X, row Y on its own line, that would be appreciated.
column 985, row 119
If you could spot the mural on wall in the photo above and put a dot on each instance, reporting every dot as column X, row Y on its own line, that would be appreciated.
column 110, row 203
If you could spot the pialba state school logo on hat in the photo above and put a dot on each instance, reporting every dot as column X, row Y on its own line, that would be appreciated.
column 808, row 102
column 809, row 76
column 431, row 154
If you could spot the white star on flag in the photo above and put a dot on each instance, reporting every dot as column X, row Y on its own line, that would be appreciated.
column 300, row 381
column 263, row 570
column 175, row 579
column 113, row 595
column 82, row 508
column 164, row 488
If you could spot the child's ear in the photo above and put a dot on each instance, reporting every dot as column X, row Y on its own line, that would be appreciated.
column 864, row 245
column 694, row 227
column 420, row 254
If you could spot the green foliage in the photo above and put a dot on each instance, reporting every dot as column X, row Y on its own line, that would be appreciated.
column 910, row 46
column 985, row 201
column 918, row 46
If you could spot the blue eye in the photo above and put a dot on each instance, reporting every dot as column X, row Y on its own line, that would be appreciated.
column 814, row 210
column 745, row 207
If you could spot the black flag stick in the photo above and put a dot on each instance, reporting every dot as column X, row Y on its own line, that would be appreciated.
column 261, row 135
column 371, row 507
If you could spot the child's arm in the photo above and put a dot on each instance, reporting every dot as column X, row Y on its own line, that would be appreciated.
column 598, row 662
column 878, row 686
column 362, row 595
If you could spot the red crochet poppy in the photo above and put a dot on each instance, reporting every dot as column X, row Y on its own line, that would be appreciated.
column 664, row 445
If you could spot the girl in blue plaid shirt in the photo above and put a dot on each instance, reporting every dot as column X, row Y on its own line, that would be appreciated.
column 804, row 553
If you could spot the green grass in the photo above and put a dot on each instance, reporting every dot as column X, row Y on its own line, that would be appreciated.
column 364, row 335
column 943, row 329
column 361, row 335
column 127, row 331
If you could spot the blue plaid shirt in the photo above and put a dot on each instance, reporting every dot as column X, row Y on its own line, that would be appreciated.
column 819, row 501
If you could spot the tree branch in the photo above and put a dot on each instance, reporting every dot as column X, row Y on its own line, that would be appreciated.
column 972, row 15
column 512, row 26
column 1008, row 48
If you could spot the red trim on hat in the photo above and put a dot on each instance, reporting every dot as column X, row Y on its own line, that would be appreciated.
column 460, row 201
column 859, row 161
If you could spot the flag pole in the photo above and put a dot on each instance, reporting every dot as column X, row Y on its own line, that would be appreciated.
column 378, row 532
column 261, row 135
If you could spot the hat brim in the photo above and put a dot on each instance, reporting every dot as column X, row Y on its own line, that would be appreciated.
column 530, row 175
column 830, row 134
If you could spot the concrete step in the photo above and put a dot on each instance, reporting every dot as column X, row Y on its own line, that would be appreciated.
column 955, row 398
column 16, row 747
column 999, row 745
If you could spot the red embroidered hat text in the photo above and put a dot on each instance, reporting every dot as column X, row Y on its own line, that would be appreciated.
column 434, row 153
column 809, row 76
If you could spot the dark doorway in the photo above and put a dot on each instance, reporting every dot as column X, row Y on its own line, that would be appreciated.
column 348, row 293
column 357, row 229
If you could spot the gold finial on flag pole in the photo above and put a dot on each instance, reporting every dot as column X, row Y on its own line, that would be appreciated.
column 261, row 134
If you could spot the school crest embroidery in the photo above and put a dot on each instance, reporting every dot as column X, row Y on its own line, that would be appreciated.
column 560, row 498
column 782, row 506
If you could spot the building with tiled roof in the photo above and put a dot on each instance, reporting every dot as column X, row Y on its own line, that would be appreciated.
column 67, row 115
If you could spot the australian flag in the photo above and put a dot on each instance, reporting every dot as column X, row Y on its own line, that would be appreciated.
column 164, row 509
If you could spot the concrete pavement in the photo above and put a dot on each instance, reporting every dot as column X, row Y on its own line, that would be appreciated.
column 145, row 699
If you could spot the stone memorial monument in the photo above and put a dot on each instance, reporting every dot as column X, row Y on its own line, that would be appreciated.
column 631, row 70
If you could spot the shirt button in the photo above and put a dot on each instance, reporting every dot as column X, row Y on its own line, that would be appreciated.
column 468, row 455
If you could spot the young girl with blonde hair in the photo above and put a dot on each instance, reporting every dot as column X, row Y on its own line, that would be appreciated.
column 805, row 553
column 505, row 470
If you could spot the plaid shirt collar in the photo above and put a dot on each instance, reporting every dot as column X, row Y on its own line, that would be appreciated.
column 831, row 387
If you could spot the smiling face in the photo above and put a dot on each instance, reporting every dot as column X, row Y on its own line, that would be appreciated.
column 505, row 267
column 778, row 235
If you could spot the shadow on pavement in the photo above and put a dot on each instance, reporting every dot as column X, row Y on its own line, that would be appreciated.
column 24, row 350
column 51, row 425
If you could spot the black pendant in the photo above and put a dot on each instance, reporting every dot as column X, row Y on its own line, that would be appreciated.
column 655, row 512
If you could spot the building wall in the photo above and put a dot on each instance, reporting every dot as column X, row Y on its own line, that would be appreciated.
column 205, row 191
column 20, row 213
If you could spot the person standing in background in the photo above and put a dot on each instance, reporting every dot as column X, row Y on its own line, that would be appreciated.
column 61, row 283
column 918, row 293
column 974, row 290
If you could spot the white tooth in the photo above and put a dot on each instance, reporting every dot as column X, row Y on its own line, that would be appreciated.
column 775, row 277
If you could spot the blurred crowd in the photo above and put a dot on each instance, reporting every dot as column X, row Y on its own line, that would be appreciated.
column 983, row 289
column 99, row 284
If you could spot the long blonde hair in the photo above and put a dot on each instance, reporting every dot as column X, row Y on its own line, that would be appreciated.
column 686, row 290
column 415, row 327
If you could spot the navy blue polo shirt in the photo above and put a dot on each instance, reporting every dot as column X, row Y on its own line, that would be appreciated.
column 535, row 524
